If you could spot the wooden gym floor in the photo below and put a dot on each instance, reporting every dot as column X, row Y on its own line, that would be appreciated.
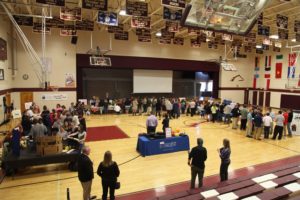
column 141, row 173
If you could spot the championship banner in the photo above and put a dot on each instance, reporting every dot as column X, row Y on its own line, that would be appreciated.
column 107, row 18
column 24, row 21
column 136, row 8
column 212, row 45
column 250, row 38
column 256, row 69
column 37, row 28
column 292, row 65
column 279, row 59
column 144, row 38
column 227, row 37
column 283, row 34
column 171, row 14
column 143, row 32
column 247, row 49
column 265, row 47
column 194, row 31
column 282, row 21
column 115, row 29
column 140, row 22
column 268, row 66
column 297, row 37
column 121, row 36
column 68, row 31
column 202, row 38
column 259, row 51
column 172, row 26
column 174, row 3
column 55, row 22
column 178, row 41
column 276, row 49
column 52, row 2
column 295, row 124
column 209, row 34
column 267, row 41
column 260, row 19
column 166, row 34
column 195, row 43
column 297, row 26
column 263, row 30
column 84, row 25
column 164, row 40
column 70, row 14
column 95, row 4
column 54, row 97
column 3, row 52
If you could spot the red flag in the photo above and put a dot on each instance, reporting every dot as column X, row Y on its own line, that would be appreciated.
column 268, row 84
column 254, row 82
column 278, row 70
column 292, row 59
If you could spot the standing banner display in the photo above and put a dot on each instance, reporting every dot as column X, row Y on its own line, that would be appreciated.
column 295, row 125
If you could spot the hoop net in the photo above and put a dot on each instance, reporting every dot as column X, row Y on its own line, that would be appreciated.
column 54, row 88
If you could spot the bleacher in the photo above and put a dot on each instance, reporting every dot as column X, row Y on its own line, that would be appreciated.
column 275, row 183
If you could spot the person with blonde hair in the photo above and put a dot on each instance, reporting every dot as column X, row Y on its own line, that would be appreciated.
column 109, row 171
column 224, row 154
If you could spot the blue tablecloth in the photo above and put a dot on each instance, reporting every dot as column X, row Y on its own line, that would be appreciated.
column 149, row 147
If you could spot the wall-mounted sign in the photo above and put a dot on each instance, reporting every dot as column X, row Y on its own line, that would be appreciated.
column 164, row 40
column 54, row 97
column 116, row 29
column 108, row 18
column 95, row 4
column 136, row 8
column 52, row 2
column 24, row 21
column 140, row 22
column 70, row 14
column 37, row 28
column 195, row 43
column 121, row 35
column 297, row 26
column 171, row 14
column 194, row 31
column 250, row 38
column 100, row 61
column 282, row 21
column 174, row 3
column 144, row 38
column 263, row 30
column 55, row 22
column 3, row 49
column 283, row 34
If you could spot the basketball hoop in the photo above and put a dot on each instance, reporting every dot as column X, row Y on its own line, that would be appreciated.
column 54, row 88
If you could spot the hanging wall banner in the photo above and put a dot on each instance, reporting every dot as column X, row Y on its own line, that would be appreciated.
column 3, row 50
column 24, row 21
column 85, row 25
column 68, row 31
column 140, row 22
column 260, row 19
column 143, row 32
column 95, row 4
column 69, row 80
column 121, row 36
column 227, row 37
column 193, row 31
column 52, row 2
column 174, row 3
column 297, row 37
column 263, row 30
column 250, row 38
column 116, row 29
column 166, row 34
column 144, row 38
column 276, row 49
column 247, row 49
column 282, row 21
column 54, row 97
column 170, row 14
column 172, row 26
column 195, row 43
column 267, row 41
column 297, row 26
column 37, row 28
column 178, row 41
column 55, row 22
column 212, row 45
column 265, row 47
column 164, row 41
column 108, row 18
column 70, row 14
column 136, row 8
column 283, row 34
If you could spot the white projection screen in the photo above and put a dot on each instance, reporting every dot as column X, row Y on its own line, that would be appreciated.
column 152, row 81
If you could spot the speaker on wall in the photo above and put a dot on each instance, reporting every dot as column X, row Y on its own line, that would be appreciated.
column 74, row 40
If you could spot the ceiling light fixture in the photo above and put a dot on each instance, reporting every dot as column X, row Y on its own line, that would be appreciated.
column 275, row 37
column 158, row 34
column 122, row 12
column 258, row 46
column 293, row 40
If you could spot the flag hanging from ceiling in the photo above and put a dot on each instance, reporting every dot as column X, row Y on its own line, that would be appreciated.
column 268, row 66
column 292, row 65
column 268, row 84
column 256, row 69
column 278, row 73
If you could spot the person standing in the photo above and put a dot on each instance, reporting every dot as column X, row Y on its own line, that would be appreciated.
column 224, row 154
column 158, row 108
column 192, row 107
column 279, row 120
column 286, row 116
column 214, row 110
column 272, row 115
column 267, row 125
column 258, row 122
column 290, row 119
column 151, row 124
column 235, row 112
column 165, row 123
column 197, row 157
column 227, row 114
column 134, row 107
column 249, row 124
column 244, row 113
column 86, row 173
column 109, row 171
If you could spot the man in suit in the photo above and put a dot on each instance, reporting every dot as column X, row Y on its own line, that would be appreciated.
column 86, row 173
column 196, row 160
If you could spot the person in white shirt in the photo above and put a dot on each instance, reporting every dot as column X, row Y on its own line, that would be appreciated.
column 117, row 109
column 193, row 107
column 267, row 124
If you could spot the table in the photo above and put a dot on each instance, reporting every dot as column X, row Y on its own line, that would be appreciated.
column 149, row 147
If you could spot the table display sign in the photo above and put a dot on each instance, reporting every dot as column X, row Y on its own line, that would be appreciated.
column 70, row 14
column 295, row 125
column 136, row 8
column 108, row 18
column 174, row 3
column 121, row 35
column 171, row 14
column 95, row 4
column 24, row 21
column 140, row 22
column 52, row 2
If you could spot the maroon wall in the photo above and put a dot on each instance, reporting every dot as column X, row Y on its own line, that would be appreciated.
column 128, row 62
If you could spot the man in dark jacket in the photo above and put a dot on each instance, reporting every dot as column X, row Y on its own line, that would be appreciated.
column 86, row 173
column 290, row 119
column 197, row 157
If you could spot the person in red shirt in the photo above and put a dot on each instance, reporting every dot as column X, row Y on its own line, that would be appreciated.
column 286, row 116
